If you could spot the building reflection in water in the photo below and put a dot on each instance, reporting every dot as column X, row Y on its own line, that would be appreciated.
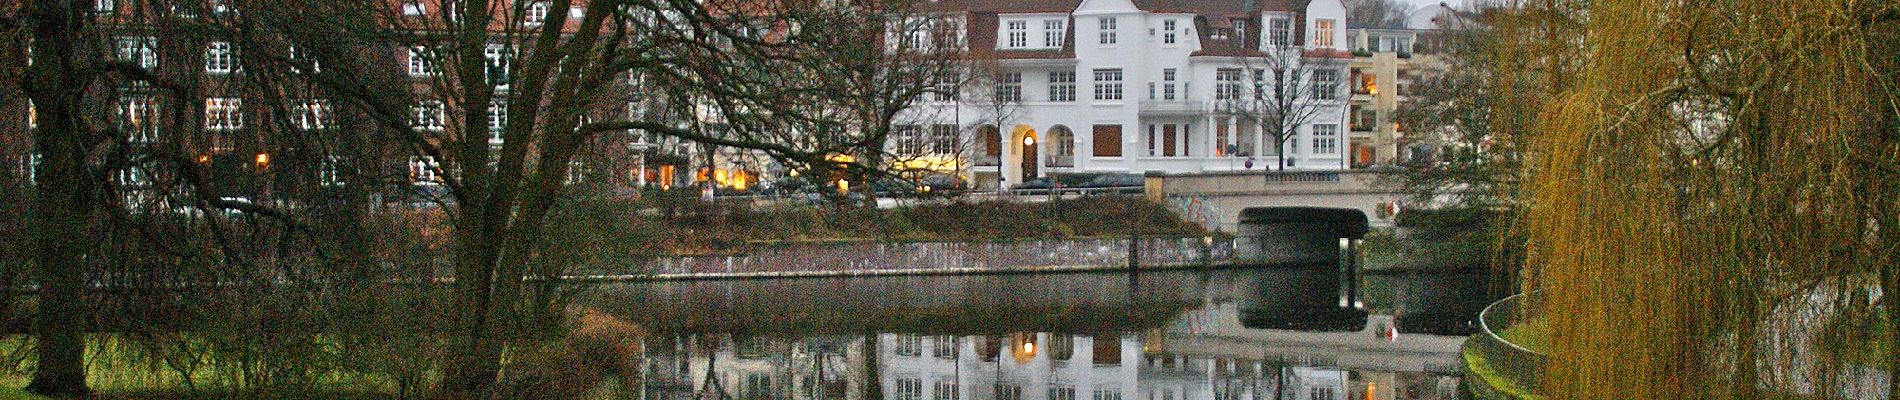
column 1020, row 366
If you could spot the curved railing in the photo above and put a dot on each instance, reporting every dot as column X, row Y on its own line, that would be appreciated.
column 1510, row 362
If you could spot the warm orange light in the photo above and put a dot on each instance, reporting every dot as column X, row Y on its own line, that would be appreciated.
column 1029, row 140
column 204, row 158
column 263, row 158
column 1029, row 347
column 1371, row 387
column 844, row 186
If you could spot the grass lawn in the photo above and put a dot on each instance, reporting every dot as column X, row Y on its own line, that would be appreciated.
column 118, row 368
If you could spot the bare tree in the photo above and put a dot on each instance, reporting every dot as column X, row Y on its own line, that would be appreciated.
column 1381, row 14
column 1288, row 91
column 998, row 94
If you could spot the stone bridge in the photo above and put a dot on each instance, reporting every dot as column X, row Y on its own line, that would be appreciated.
column 1216, row 198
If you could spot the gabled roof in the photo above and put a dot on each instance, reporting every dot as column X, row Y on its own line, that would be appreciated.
column 982, row 40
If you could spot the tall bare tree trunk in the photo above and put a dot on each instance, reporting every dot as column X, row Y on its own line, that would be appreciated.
column 63, row 205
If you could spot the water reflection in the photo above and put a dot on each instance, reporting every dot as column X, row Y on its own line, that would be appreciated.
column 1178, row 335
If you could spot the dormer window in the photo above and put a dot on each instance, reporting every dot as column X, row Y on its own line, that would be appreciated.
column 1052, row 33
column 537, row 13
column 1280, row 31
column 1018, row 34
column 1323, row 29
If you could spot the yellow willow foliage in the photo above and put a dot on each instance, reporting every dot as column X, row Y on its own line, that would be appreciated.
column 1707, row 191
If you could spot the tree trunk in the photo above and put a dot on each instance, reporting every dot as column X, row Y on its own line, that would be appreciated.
column 474, row 359
column 62, row 206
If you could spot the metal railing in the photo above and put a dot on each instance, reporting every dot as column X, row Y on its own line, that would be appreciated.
column 1510, row 361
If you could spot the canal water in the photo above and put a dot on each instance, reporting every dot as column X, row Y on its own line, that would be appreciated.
column 1158, row 335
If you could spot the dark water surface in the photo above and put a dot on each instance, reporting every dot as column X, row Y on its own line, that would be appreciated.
column 1238, row 333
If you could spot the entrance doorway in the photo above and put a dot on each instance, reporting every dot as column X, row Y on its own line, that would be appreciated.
column 1029, row 143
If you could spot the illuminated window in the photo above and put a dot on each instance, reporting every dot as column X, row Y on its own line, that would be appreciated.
column 422, row 170
column 1323, row 32
column 224, row 113
column 313, row 115
column 137, row 117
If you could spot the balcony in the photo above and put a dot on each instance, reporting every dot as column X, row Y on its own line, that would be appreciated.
column 1173, row 107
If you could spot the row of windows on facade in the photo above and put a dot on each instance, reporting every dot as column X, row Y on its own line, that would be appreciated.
column 1108, row 32
column 220, row 58
column 1108, row 85
column 421, row 170
column 946, row 388
column 138, row 115
column 533, row 13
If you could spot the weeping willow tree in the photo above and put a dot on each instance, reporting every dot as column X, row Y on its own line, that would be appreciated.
column 1712, row 185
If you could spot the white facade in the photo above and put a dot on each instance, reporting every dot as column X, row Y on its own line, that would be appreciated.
column 1164, row 103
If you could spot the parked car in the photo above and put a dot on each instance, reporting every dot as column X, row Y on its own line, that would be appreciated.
column 942, row 185
column 1035, row 186
column 1116, row 183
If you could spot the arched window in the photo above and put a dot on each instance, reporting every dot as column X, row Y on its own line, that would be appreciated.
column 1063, row 142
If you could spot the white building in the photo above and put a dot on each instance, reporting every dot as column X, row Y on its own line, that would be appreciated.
column 1143, row 85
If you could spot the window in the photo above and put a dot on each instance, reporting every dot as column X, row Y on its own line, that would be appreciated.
column 1260, row 85
column 32, row 115
column 330, row 172
column 1062, row 392
column 1062, row 86
column 915, row 37
column 412, row 8
column 1280, row 31
column 1108, row 84
column 910, row 345
column 30, row 166
column 945, row 88
column 314, row 114
column 1064, row 141
column 224, row 113
column 1227, row 83
column 219, row 58
column 1108, row 140
column 1052, row 33
column 1321, row 393
column 1108, row 31
column 1240, row 30
column 943, row 140
column 1168, row 31
column 138, row 119
column 421, row 61
column 1325, row 84
column 1018, row 34
column 1009, row 87
column 497, row 58
column 944, row 346
column 1167, row 88
column 946, row 389
column 104, row 6
column 908, row 388
column 576, row 172
column 1323, row 32
column 1108, row 394
column 1325, row 138
column 1009, row 392
column 497, row 120
column 298, row 59
column 756, row 386
column 428, row 115
column 909, row 139
column 422, row 170
column 142, row 50
column 1061, row 347
column 537, row 14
